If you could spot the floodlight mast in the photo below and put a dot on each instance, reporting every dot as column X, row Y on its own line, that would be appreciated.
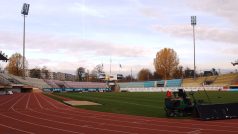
column 193, row 23
column 24, row 12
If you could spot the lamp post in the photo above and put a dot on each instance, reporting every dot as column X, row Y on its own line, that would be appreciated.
column 24, row 12
column 193, row 23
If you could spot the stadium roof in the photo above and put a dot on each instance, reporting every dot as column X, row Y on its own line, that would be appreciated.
column 3, row 57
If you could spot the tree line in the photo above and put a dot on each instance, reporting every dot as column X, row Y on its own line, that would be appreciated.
column 166, row 64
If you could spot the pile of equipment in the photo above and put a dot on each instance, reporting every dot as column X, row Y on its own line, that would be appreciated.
column 178, row 104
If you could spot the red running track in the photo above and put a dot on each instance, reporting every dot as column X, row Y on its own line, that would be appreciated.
column 35, row 113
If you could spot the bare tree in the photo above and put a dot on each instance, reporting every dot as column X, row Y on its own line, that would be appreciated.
column 80, row 73
column 35, row 73
column 45, row 72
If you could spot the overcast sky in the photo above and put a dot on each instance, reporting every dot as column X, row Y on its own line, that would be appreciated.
column 66, row 34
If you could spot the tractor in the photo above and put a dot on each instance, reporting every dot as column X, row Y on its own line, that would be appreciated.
column 178, row 104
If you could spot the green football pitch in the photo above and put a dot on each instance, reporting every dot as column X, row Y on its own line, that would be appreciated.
column 149, row 104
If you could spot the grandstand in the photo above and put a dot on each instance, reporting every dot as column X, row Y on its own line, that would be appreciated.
column 210, row 79
column 210, row 82
column 173, row 83
column 34, row 82
column 86, row 84
column 136, row 84
column 148, row 84
column 226, row 79
column 217, row 80
column 72, row 84
column 76, row 86
column 131, row 85
column 190, row 82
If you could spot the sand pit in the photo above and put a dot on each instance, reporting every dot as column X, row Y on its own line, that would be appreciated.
column 81, row 103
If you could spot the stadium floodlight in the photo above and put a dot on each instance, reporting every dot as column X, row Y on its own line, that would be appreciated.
column 24, row 11
column 193, row 23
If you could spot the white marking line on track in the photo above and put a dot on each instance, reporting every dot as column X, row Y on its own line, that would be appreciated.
column 28, row 101
column 48, row 98
column 48, row 102
column 40, row 125
column 100, row 123
column 13, row 128
column 194, row 123
column 4, row 102
column 159, row 122
column 37, row 100
column 197, row 131
column 73, row 124
column 98, row 117
column 16, row 102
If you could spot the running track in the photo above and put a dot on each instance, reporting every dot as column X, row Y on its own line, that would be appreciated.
column 35, row 113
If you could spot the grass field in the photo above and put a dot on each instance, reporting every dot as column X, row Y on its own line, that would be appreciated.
column 141, row 103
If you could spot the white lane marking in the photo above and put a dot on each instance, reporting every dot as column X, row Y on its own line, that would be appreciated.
column 197, row 131
column 99, row 123
column 148, row 121
column 13, row 128
column 153, row 120
column 40, row 125
column 48, row 102
column 28, row 101
column 17, row 102
column 73, row 124
column 37, row 100
column 4, row 102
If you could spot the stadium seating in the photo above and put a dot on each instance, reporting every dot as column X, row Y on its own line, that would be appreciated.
column 52, row 83
column 8, row 80
column 160, row 83
column 34, row 82
column 190, row 82
column 173, row 83
column 86, row 84
column 72, row 84
column 210, row 79
column 149, row 83
column 131, row 84
column 225, row 80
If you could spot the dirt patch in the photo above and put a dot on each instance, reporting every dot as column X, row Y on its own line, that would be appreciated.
column 81, row 103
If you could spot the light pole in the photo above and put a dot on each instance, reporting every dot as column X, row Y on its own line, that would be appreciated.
column 193, row 23
column 24, row 12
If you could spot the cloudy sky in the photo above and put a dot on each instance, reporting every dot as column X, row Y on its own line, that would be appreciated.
column 66, row 34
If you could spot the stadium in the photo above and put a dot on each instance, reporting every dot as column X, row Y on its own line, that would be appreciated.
column 29, row 107
column 37, row 97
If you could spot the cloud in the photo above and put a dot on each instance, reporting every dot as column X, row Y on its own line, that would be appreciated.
column 149, row 12
column 223, row 8
column 215, row 34
column 84, row 9
column 70, row 45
